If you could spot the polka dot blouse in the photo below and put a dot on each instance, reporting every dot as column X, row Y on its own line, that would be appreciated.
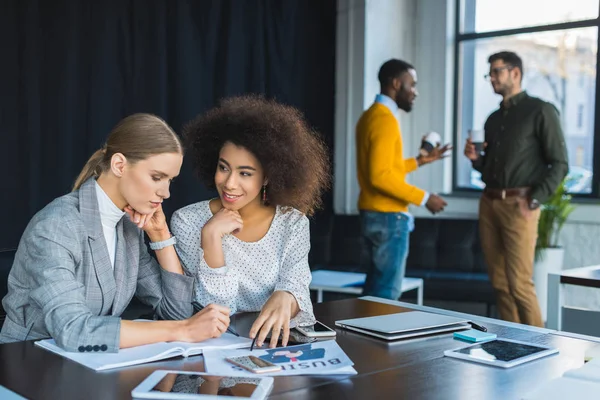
column 253, row 270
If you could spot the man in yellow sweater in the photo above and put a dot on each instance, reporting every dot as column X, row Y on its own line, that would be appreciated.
column 384, row 193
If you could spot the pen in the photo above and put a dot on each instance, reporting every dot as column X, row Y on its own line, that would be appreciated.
column 197, row 307
column 235, row 333
column 478, row 327
column 253, row 341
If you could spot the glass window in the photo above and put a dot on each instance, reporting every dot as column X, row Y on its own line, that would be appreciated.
column 559, row 67
column 496, row 15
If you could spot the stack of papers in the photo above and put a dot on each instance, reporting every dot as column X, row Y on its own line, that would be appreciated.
column 317, row 358
column 579, row 383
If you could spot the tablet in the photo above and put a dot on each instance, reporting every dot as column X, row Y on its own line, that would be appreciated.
column 163, row 384
column 502, row 353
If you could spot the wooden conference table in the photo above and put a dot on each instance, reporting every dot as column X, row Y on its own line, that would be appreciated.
column 414, row 369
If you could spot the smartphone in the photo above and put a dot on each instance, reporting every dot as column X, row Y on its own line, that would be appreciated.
column 316, row 330
column 254, row 364
column 294, row 338
column 299, row 338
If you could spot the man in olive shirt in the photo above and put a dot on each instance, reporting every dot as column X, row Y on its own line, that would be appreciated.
column 523, row 163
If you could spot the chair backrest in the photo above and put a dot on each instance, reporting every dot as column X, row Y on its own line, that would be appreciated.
column 7, row 257
column 320, row 239
column 345, row 240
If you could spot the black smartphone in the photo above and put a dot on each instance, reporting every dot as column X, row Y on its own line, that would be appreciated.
column 295, row 338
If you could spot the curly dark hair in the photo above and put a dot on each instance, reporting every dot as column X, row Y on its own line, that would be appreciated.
column 293, row 156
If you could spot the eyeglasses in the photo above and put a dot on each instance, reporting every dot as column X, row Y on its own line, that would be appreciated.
column 496, row 71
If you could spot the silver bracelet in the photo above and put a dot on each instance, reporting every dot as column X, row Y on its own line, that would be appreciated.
column 164, row 243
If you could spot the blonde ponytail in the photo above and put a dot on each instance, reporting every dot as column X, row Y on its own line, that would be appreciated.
column 137, row 137
column 93, row 167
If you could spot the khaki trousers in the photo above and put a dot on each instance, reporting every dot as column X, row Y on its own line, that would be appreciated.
column 508, row 241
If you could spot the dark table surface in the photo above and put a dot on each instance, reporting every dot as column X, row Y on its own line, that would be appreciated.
column 413, row 369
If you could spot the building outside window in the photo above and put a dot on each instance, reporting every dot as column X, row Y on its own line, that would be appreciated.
column 558, row 42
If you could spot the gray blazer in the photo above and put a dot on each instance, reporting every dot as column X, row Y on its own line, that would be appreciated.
column 62, row 283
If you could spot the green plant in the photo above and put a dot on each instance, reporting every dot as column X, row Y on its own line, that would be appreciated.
column 553, row 215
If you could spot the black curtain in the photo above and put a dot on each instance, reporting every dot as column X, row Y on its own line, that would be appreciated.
column 72, row 69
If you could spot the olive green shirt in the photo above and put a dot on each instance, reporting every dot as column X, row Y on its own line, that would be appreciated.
column 525, row 147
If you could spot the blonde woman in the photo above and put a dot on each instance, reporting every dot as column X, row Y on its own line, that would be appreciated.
column 81, row 259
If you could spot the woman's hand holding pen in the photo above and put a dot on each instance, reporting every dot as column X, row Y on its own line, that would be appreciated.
column 210, row 322
column 275, row 317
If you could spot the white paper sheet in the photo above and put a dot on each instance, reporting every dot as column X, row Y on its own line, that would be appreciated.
column 318, row 358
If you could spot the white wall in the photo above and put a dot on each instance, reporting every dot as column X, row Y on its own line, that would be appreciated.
column 392, row 29
column 388, row 31
column 421, row 32
column 349, row 100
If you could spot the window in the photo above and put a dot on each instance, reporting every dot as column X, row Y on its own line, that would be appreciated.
column 558, row 43
column 580, row 156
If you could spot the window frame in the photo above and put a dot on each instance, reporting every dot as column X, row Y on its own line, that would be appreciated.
column 460, row 37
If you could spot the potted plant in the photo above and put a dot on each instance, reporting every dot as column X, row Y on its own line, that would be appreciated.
column 549, row 255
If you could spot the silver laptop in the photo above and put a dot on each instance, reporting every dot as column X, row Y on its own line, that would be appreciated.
column 404, row 325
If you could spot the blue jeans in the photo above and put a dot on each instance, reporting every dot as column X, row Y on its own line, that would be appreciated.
column 385, row 238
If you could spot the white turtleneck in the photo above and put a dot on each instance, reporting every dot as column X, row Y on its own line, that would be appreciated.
column 110, row 215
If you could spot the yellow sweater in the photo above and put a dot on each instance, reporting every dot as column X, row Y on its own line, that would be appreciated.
column 381, row 165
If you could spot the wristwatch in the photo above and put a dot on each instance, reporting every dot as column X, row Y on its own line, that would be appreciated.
column 162, row 244
column 534, row 204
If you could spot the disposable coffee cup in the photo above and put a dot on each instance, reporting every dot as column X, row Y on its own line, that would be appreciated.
column 432, row 139
column 477, row 138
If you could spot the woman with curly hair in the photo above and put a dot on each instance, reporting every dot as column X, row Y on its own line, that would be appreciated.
column 248, row 248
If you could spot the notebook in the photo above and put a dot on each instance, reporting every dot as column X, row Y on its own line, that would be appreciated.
column 146, row 353
column 404, row 325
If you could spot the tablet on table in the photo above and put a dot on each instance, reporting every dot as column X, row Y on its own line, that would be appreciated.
column 502, row 353
column 163, row 384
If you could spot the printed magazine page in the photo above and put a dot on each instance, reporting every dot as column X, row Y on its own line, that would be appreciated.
column 318, row 358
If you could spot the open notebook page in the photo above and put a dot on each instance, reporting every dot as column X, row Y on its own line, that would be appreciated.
column 145, row 353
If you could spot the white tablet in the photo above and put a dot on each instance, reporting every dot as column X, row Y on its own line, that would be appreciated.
column 201, row 385
column 502, row 353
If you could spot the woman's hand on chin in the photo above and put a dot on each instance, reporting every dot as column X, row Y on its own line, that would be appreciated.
column 154, row 224
column 275, row 317
column 224, row 222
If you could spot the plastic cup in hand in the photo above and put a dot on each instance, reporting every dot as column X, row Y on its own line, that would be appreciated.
column 477, row 138
column 432, row 139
